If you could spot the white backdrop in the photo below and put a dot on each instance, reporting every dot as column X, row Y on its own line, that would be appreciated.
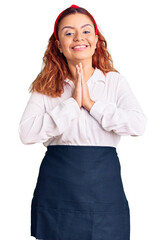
column 135, row 35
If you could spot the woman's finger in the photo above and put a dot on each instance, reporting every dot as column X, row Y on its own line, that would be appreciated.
column 78, row 72
column 82, row 75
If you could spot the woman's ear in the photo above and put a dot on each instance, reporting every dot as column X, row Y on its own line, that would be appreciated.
column 97, row 37
column 96, row 40
column 59, row 45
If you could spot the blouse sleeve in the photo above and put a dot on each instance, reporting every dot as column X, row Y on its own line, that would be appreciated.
column 39, row 125
column 125, row 116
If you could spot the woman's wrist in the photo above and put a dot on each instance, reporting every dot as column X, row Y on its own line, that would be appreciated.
column 90, row 105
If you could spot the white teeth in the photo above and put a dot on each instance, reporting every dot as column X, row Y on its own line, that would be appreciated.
column 79, row 47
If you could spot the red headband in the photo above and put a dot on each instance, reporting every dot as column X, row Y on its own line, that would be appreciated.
column 72, row 6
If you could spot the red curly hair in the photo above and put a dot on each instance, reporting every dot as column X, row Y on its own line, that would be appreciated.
column 50, row 80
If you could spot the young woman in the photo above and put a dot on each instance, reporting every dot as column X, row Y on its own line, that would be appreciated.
column 79, row 108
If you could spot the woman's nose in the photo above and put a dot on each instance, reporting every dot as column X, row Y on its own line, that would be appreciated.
column 78, row 36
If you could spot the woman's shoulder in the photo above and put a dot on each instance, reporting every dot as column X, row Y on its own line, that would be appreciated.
column 34, row 95
column 115, row 78
column 110, row 74
column 114, row 75
column 37, row 95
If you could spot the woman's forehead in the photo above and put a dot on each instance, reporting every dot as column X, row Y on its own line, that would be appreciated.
column 77, row 20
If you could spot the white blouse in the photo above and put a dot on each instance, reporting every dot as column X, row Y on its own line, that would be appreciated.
column 60, row 121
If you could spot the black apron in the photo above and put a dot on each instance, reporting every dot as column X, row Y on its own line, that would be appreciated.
column 79, row 195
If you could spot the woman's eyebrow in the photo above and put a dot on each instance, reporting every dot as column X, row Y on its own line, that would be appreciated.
column 73, row 27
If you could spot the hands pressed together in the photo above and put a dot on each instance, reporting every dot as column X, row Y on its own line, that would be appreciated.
column 81, row 92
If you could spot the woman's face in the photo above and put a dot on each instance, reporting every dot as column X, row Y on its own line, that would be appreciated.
column 77, row 39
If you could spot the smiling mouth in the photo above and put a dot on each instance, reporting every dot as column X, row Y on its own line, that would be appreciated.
column 80, row 47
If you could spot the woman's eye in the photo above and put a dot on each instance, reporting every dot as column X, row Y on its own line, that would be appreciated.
column 67, row 34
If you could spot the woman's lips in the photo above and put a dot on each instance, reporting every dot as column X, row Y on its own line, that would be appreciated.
column 80, row 48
